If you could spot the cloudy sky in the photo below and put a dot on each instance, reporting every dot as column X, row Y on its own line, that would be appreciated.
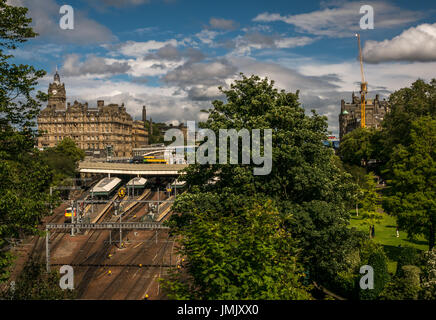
column 171, row 55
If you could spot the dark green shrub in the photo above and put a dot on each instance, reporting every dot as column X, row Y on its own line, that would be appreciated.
column 378, row 261
column 404, row 287
column 408, row 257
column 428, row 280
column 34, row 283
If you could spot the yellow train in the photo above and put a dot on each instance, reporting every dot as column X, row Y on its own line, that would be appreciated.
column 152, row 159
column 69, row 213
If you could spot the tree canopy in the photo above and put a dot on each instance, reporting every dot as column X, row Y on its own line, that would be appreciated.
column 405, row 155
column 305, row 186
column 34, row 283
column 63, row 160
column 411, row 174
column 407, row 105
column 370, row 202
column 356, row 148
column 24, row 177
column 242, row 252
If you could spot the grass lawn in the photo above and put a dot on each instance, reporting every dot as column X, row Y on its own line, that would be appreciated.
column 385, row 234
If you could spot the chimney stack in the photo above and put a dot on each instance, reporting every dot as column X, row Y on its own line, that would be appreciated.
column 100, row 103
column 144, row 115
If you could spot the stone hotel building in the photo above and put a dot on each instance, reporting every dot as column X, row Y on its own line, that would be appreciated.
column 349, row 118
column 99, row 131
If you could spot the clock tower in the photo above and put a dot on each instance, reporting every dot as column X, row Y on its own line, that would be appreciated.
column 56, row 93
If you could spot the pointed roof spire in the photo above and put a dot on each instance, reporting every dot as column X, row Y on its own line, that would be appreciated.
column 57, row 78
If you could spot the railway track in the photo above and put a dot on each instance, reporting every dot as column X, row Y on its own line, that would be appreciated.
column 136, row 208
column 142, row 286
column 130, row 280
column 59, row 235
column 119, row 279
column 38, row 248
column 91, row 253
column 134, row 286
column 94, row 252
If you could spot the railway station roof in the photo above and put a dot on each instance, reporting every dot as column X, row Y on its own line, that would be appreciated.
column 137, row 182
column 106, row 185
column 178, row 184
column 131, row 168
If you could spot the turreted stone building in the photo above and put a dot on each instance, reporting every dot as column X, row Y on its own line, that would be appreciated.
column 349, row 118
column 97, row 130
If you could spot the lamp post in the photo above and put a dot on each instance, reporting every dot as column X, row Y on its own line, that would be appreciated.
column 116, row 207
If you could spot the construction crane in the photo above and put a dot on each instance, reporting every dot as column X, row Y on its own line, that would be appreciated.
column 363, row 87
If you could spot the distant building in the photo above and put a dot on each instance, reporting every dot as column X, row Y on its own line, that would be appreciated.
column 182, row 127
column 139, row 134
column 100, row 131
column 349, row 118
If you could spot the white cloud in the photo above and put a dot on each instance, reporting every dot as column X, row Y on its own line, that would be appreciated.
column 223, row 24
column 243, row 44
column 292, row 42
column 153, row 58
column 93, row 66
column 414, row 44
column 390, row 76
column 343, row 20
column 144, row 67
column 45, row 15
column 38, row 52
column 171, row 53
column 121, row 3
column 319, row 92
column 323, row 85
column 207, row 36
column 286, row 78
column 191, row 87
column 200, row 80
column 167, row 104
column 139, row 49
column 383, row 79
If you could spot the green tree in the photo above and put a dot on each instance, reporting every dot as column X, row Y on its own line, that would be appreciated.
column 18, row 108
column 358, row 173
column 69, row 148
column 428, row 283
column 63, row 161
column 156, row 135
column 60, row 165
column 24, row 177
column 404, row 287
column 370, row 203
column 408, row 256
column 378, row 261
column 34, row 283
column 244, row 252
column 411, row 174
column 356, row 147
column 407, row 105
column 306, row 186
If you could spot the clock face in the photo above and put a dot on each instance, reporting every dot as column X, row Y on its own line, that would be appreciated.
column 54, row 91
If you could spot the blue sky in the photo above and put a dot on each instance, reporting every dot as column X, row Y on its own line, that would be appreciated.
column 171, row 55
